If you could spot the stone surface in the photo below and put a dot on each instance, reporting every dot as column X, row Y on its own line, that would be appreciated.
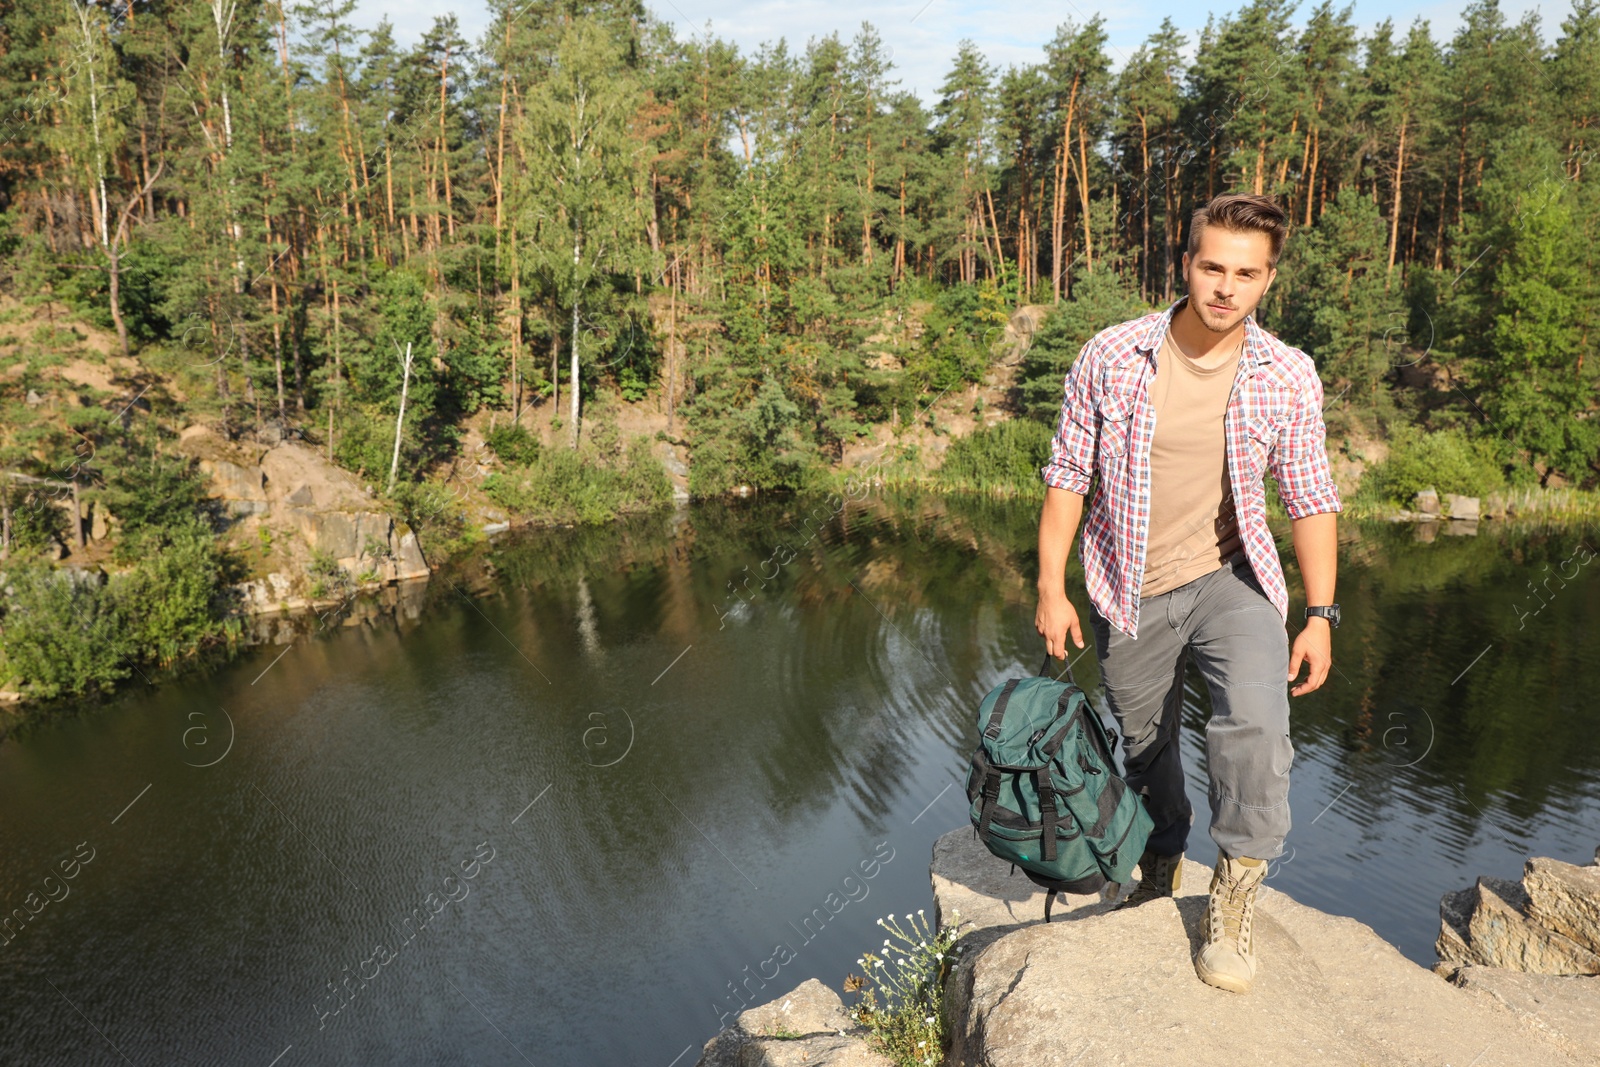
column 807, row 1027
column 1462, row 507
column 966, row 877
column 1500, row 934
column 1566, row 1007
column 290, row 486
column 1455, row 913
column 1120, row 988
column 1426, row 502
column 1564, row 898
column 1015, row 339
column 241, row 489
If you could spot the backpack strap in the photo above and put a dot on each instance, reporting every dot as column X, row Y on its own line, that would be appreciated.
column 1054, row 744
column 992, row 730
column 1047, row 807
column 991, row 796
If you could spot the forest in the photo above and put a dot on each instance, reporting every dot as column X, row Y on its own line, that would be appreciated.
column 585, row 199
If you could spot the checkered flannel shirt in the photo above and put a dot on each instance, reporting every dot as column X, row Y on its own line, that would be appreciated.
column 1273, row 421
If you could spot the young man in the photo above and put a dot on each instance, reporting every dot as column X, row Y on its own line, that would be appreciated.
column 1180, row 413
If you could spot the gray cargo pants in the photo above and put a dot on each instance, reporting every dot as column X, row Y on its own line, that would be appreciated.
column 1240, row 643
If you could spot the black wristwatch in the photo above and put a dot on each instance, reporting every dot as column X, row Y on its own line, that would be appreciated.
column 1327, row 611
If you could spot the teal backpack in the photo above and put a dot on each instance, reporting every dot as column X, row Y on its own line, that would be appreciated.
column 1044, row 789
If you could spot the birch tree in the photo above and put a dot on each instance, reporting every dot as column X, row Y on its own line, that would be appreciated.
column 580, row 177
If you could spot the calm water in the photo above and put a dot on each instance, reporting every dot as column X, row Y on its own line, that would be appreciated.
column 557, row 810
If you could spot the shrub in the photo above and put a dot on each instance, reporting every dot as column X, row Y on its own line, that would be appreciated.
column 566, row 486
column 172, row 601
column 513, row 444
column 1449, row 460
column 1005, row 457
column 909, row 1025
column 63, row 634
column 154, row 497
column 37, row 515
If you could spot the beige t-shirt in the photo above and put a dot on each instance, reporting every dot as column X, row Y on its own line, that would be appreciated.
column 1193, row 525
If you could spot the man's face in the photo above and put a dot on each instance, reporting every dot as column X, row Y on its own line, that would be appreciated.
column 1228, row 275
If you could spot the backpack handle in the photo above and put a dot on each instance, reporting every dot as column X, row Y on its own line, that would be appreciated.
column 1044, row 668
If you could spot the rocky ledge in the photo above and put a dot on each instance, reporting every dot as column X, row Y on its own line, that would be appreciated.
column 1118, row 987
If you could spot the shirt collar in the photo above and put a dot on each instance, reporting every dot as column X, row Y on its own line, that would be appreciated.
column 1255, row 338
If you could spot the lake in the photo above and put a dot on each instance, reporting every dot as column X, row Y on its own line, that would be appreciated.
column 556, row 809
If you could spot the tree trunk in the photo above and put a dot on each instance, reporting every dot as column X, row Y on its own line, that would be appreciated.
column 1394, row 220
column 115, row 271
column 572, row 358
column 399, row 422
column 1058, row 207
column 672, row 348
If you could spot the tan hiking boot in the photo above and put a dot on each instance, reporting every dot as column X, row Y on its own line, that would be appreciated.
column 1227, row 960
column 1158, row 877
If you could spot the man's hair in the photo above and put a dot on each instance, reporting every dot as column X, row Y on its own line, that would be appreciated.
column 1242, row 213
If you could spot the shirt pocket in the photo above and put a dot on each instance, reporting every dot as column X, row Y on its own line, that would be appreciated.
column 1116, row 422
column 1261, row 436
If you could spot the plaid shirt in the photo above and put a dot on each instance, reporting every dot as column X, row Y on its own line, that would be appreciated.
column 1273, row 421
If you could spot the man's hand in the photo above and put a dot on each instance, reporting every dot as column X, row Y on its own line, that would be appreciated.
column 1056, row 618
column 1314, row 645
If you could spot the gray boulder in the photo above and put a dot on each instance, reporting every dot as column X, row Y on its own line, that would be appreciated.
column 1120, row 987
column 807, row 1027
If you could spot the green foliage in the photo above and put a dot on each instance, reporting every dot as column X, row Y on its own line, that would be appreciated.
column 957, row 338
column 1333, row 296
column 37, row 514
column 909, row 1023
column 1003, row 458
column 1451, row 461
column 513, row 444
column 435, row 513
column 1524, row 312
column 62, row 634
column 155, row 496
column 173, row 600
column 1099, row 300
column 328, row 578
column 759, row 443
column 561, row 485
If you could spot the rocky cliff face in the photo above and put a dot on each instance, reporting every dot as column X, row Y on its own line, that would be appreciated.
column 306, row 505
column 1118, row 987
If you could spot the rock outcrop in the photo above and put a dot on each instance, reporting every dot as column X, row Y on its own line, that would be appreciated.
column 1119, row 986
column 1017, row 336
column 290, row 491
column 808, row 1027
column 1102, row 986
column 1549, row 923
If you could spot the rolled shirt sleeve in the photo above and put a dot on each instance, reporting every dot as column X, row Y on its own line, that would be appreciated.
column 1299, row 459
column 1071, row 463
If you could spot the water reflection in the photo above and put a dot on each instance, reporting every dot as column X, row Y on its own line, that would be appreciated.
column 687, row 739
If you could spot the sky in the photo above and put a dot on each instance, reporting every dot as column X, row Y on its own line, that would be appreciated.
column 923, row 34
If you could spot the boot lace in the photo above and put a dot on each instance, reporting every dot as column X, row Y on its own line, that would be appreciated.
column 1231, row 911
